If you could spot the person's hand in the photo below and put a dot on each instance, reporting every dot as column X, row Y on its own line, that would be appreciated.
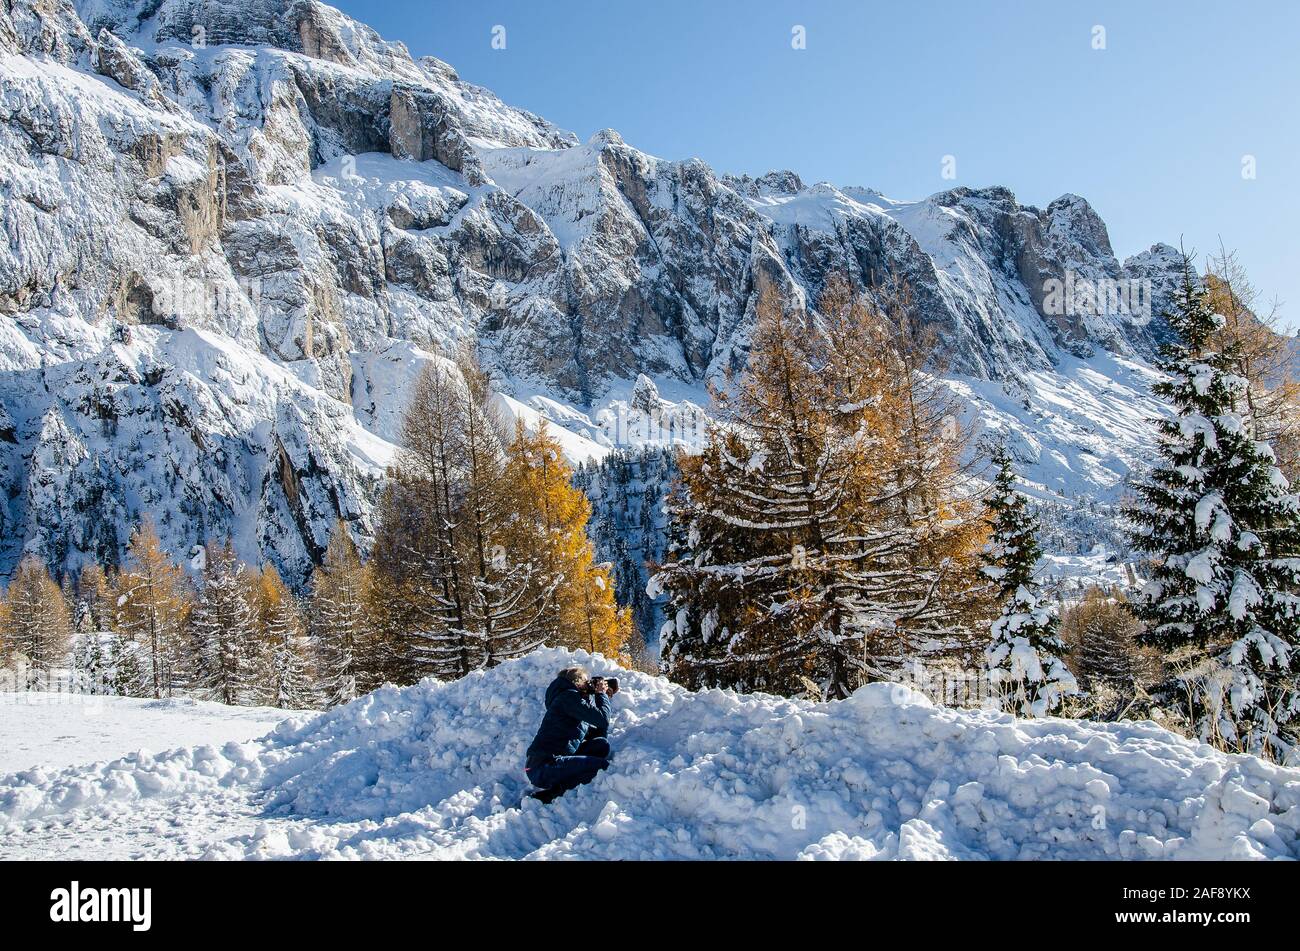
column 597, row 685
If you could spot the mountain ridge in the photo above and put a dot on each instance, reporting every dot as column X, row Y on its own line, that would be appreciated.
column 238, row 227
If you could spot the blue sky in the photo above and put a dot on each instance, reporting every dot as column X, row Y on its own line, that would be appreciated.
column 1152, row 130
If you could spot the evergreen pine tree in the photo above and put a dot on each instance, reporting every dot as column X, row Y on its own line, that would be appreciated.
column 1025, row 662
column 1217, row 519
column 93, row 611
column 126, row 667
column 1105, row 648
column 90, row 662
column 223, row 628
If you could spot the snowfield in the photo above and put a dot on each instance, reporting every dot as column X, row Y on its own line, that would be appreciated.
column 435, row 771
column 58, row 730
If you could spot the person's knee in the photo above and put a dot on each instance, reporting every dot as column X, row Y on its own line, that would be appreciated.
column 542, row 777
column 600, row 747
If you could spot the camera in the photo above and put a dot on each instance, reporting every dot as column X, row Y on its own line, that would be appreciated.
column 589, row 687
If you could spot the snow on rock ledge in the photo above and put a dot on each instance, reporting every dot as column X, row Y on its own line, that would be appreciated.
column 434, row 770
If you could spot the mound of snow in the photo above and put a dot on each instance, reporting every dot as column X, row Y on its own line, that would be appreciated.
column 434, row 770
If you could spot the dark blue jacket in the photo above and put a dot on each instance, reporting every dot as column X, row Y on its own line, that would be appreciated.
column 569, row 715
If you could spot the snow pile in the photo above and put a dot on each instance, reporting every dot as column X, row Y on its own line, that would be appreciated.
column 433, row 770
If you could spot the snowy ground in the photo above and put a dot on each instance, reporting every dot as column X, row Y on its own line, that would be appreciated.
column 1074, row 574
column 57, row 730
column 433, row 771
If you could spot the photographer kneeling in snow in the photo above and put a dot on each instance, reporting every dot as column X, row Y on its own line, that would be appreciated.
column 571, row 745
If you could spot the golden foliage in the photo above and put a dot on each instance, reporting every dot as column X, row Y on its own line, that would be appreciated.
column 481, row 551
column 351, row 652
column 1267, row 360
column 35, row 624
column 829, row 525
column 549, row 519
column 152, row 607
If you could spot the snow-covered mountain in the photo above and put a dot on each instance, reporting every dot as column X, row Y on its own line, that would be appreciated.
column 237, row 227
column 435, row 770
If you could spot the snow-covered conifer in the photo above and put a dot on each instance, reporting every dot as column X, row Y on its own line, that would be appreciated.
column 1103, row 634
column 817, row 533
column 1222, row 529
column 1025, row 656
column 126, row 667
column 341, row 622
column 628, row 524
column 223, row 628
column 90, row 662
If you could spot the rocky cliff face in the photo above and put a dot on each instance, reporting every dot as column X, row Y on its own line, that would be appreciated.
column 236, row 228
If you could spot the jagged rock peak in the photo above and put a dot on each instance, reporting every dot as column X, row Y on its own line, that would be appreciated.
column 1073, row 215
column 645, row 395
column 783, row 182
column 605, row 137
